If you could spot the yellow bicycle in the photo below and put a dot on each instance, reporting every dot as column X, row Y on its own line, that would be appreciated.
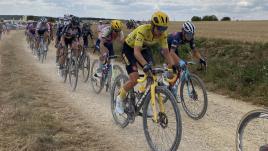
column 163, row 127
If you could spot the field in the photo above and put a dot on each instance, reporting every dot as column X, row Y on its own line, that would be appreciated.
column 244, row 31
column 249, row 31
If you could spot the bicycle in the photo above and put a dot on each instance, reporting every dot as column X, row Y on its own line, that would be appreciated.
column 152, row 95
column 252, row 131
column 42, row 50
column 192, row 87
column 73, row 69
column 108, row 73
column 84, row 64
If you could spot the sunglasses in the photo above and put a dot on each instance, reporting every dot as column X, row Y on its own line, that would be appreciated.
column 161, row 28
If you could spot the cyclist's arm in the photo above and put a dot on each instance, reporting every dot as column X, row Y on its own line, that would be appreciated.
column 121, row 37
column 138, row 55
column 168, row 57
column 173, row 48
column 137, row 48
column 195, row 52
column 165, row 50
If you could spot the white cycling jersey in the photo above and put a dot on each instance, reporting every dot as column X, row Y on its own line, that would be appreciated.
column 99, row 29
column 108, row 35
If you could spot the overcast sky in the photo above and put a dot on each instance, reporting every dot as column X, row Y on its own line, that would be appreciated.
column 138, row 9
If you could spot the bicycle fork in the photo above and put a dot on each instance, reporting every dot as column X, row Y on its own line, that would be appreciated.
column 160, row 101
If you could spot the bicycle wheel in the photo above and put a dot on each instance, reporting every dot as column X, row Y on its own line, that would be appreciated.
column 194, row 97
column 96, row 82
column 120, row 119
column 113, row 73
column 252, row 131
column 165, row 134
column 64, row 72
column 85, row 67
column 73, row 72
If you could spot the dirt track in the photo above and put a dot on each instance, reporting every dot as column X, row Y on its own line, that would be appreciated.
column 215, row 132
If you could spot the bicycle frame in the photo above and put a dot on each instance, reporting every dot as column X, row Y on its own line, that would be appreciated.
column 183, row 76
column 152, row 87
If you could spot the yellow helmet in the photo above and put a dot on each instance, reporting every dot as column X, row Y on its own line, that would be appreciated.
column 116, row 25
column 160, row 19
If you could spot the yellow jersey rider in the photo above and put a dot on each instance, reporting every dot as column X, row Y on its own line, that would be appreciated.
column 135, row 50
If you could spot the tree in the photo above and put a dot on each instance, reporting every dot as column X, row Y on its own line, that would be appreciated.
column 226, row 18
column 210, row 18
column 196, row 18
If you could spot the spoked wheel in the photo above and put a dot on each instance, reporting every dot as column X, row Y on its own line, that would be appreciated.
column 114, row 72
column 194, row 97
column 252, row 131
column 120, row 119
column 85, row 67
column 165, row 133
column 73, row 72
column 96, row 80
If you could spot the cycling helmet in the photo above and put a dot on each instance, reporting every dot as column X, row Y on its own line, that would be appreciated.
column 43, row 19
column 160, row 19
column 116, row 25
column 75, row 20
column 188, row 27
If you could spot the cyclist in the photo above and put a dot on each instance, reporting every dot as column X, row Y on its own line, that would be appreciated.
column 71, row 37
column 66, row 22
column 51, row 36
column 31, row 30
column 99, row 29
column 186, row 36
column 42, row 29
column 1, row 27
column 108, row 35
column 86, row 31
column 59, row 28
column 135, row 50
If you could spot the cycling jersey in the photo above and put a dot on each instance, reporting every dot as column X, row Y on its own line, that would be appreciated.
column 32, row 28
column 41, row 28
column 107, row 34
column 86, row 31
column 71, row 32
column 99, row 29
column 175, row 40
column 59, row 29
column 142, row 36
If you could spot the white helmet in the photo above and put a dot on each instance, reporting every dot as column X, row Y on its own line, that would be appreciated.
column 188, row 27
column 43, row 19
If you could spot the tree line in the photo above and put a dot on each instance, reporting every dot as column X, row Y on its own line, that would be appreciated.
column 210, row 18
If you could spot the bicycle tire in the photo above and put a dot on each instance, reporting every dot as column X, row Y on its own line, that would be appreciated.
column 92, row 78
column 244, row 122
column 114, row 68
column 168, row 94
column 86, row 58
column 113, row 101
column 73, row 64
column 186, row 109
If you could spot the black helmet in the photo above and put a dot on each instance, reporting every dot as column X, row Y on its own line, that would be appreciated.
column 75, row 20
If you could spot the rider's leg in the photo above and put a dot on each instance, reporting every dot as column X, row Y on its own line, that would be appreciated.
column 97, row 45
column 85, row 39
column 132, row 70
column 102, row 58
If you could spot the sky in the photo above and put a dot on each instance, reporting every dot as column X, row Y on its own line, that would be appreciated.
column 139, row 9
